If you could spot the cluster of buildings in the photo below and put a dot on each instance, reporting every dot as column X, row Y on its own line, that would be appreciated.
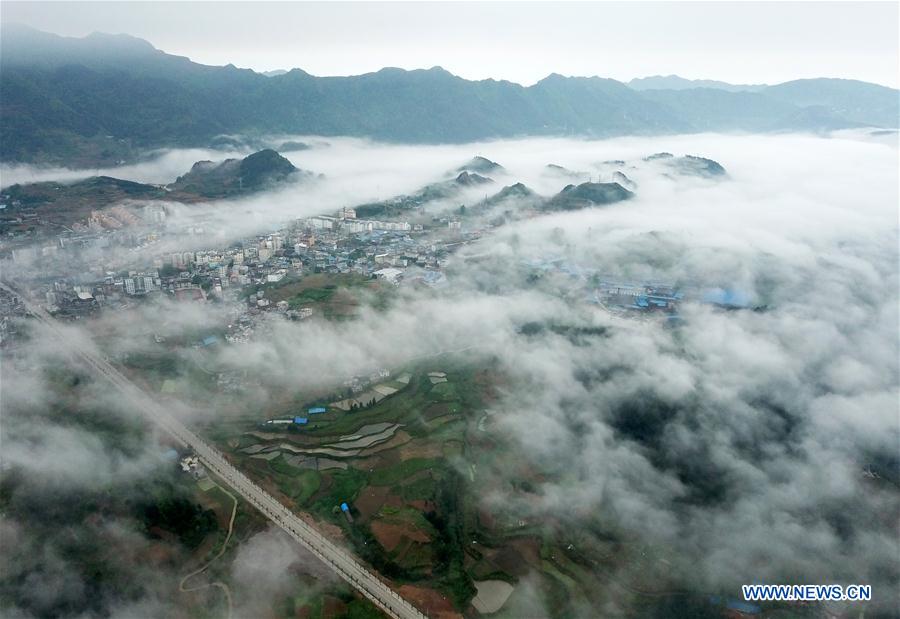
column 191, row 465
column 294, row 422
column 11, row 308
column 662, row 298
column 114, row 218
column 123, row 255
column 356, row 384
column 352, row 225
column 361, row 391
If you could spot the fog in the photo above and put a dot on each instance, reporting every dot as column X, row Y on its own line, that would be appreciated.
column 156, row 167
column 357, row 171
column 736, row 440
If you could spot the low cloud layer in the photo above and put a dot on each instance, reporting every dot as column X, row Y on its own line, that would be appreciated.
column 737, row 441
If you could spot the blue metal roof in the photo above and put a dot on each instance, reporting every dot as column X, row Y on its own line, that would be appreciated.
column 345, row 507
column 301, row 420
column 316, row 410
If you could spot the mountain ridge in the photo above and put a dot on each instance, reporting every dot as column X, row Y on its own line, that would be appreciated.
column 676, row 82
column 102, row 98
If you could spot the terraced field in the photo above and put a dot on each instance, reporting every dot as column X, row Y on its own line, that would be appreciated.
column 414, row 469
column 387, row 461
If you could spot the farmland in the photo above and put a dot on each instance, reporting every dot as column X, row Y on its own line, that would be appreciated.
column 417, row 469
column 395, row 463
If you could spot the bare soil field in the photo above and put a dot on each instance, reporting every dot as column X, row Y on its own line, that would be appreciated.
column 420, row 449
column 370, row 500
column 429, row 601
column 390, row 534
column 333, row 607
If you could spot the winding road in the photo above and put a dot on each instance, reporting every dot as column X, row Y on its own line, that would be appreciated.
column 203, row 568
column 335, row 557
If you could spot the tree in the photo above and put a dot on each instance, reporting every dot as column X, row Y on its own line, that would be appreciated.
column 168, row 270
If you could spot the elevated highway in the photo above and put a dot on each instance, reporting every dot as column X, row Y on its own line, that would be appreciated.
column 335, row 557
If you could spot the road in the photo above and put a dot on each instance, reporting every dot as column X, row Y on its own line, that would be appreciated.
column 203, row 568
column 338, row 559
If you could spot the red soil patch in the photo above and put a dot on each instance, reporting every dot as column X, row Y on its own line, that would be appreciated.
column 332, row 607
column 529, row 548
column 389, row 535
column 430, row 602
column 394, row 501
column 370, row 500
column 486, row 519
column 423, row 505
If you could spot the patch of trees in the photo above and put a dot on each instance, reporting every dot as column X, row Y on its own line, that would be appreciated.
column 179, row 516
column 447, row 519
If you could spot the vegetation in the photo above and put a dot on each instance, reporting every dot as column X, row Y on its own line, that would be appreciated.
column 584, row 195
column 344, row 486
column 65, row 106
column 177, row 514
column 399, row 472
column 335, row 295
column 235, row 176
column 447, row 519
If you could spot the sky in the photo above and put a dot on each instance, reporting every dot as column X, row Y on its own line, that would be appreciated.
column 744, row 42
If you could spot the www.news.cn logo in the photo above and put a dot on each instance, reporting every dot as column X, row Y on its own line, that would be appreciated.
column 807, row 593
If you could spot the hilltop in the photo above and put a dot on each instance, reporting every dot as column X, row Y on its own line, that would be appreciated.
column 689, row 165
column 480, row 164
column 675, row 82
column 236, row 176
column 435, row 191
column 585, row 195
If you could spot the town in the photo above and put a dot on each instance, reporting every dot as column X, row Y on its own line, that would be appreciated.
column 117, row 259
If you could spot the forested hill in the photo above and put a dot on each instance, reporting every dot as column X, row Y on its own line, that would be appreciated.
column 101, row 98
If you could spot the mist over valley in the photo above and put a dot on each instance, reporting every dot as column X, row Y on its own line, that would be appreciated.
column 577, row 349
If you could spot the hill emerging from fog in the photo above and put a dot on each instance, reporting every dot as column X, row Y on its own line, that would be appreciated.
column 237, row 176
column 64, row 203
column 102, row 99
column 574, row 197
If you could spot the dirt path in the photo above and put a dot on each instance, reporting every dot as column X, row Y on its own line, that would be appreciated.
column 220, row 585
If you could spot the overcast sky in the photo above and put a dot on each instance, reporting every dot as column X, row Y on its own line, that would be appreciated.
column 738, row 42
